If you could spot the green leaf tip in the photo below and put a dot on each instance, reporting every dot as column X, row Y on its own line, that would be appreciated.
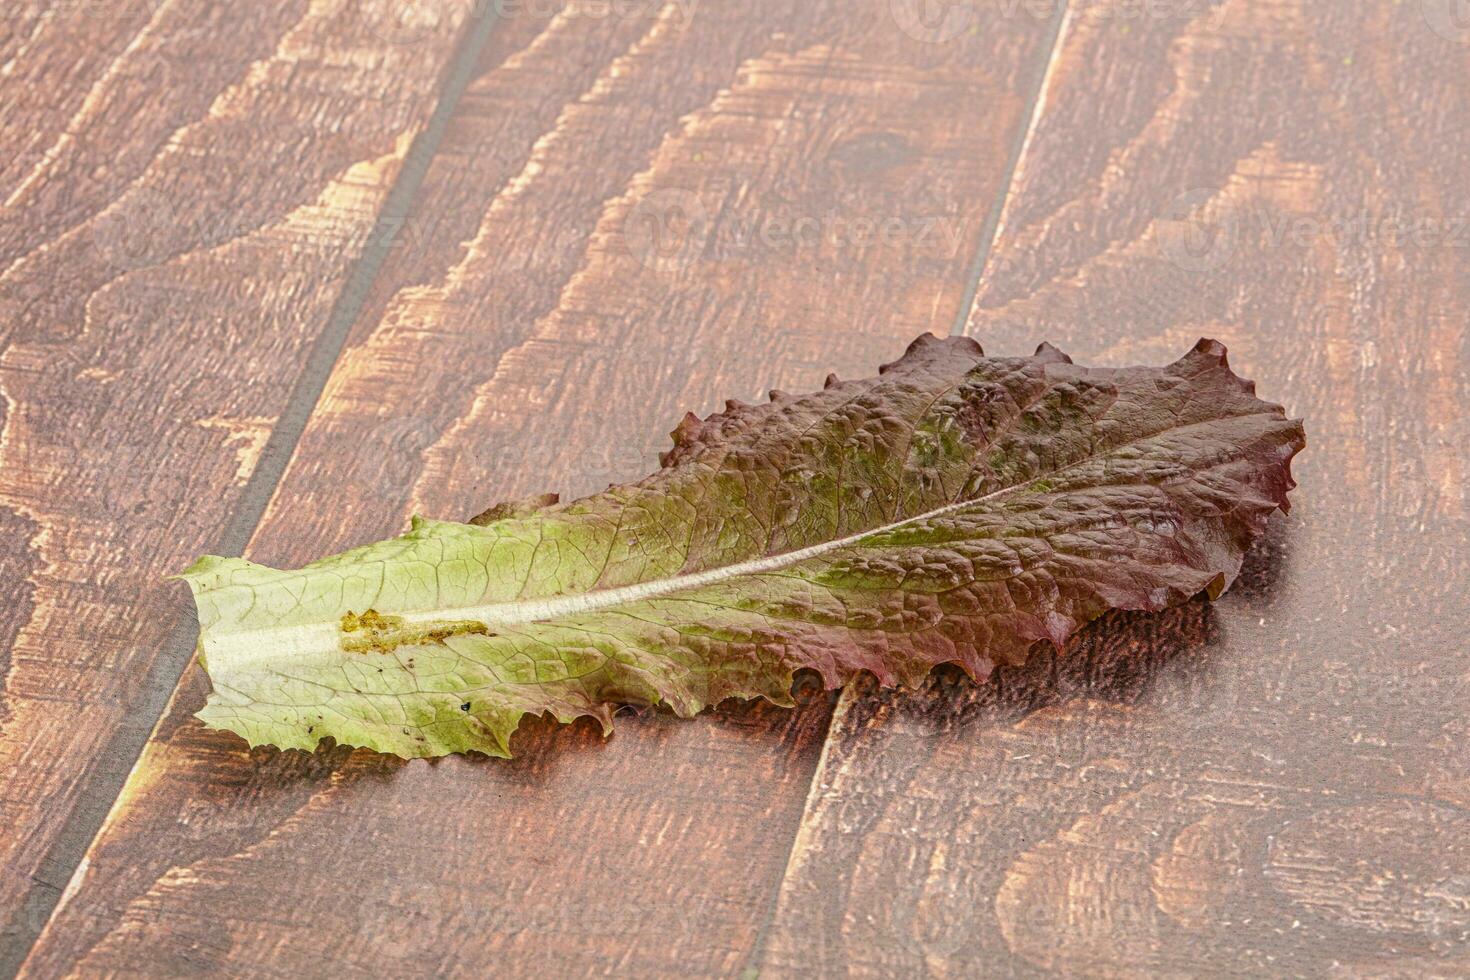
column 955, row 508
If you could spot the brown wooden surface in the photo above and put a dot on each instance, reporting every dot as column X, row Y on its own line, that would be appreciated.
column 529, row 333
column 1277, row 782
column 186, row 187
column 1284, row 788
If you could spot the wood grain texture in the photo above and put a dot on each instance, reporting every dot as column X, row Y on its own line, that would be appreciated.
column 190, row 185
column 551, row 313
column 1282, row 789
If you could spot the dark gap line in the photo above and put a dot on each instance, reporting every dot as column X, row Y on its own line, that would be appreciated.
column 1018, row 149
column 1052, row 46
column 116, row 759
column 837, row 709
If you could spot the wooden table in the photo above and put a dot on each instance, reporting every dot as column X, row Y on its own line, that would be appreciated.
column 275, row 276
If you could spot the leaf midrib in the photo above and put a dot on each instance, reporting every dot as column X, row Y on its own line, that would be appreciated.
column 237, row 650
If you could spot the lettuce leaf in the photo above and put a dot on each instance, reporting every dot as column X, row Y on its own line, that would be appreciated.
column 955, row 508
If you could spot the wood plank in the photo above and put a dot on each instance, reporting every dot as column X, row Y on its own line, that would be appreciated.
column 190, row 187
column 1277, row 783
column 54, row 56
column 548, row 343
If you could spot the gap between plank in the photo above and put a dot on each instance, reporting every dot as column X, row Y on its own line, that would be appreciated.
column 800, row 841
column 115, row 761
column 1030, row 116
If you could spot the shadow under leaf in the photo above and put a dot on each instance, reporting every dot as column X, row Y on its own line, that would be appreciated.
column 1116, row 658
